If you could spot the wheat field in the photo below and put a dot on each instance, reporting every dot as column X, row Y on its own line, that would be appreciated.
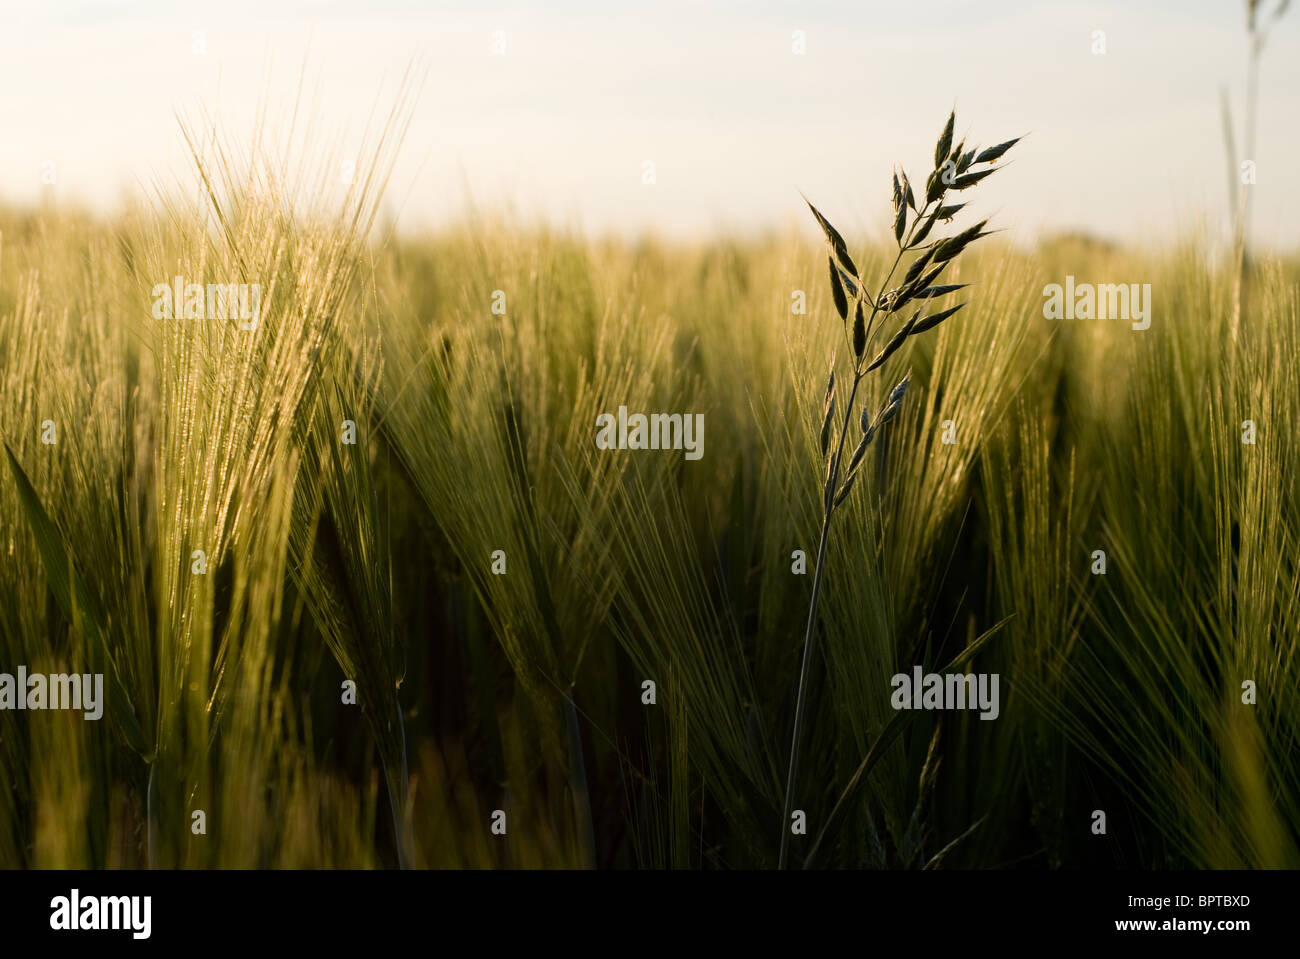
column 366, row 591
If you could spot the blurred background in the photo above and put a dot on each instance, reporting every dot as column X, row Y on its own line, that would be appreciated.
column 553, row 111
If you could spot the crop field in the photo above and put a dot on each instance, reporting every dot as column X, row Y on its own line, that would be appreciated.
column 495, row 546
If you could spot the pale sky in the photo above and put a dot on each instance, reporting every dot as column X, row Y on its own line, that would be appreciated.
column 1126, row 144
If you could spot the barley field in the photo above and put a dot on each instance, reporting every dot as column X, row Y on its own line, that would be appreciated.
column 366, row 589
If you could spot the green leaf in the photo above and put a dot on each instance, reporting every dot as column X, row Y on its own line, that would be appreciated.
column 893, row 729
column 76, row 601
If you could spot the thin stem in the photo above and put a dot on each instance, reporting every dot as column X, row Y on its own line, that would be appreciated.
column 151, row 813
column 829, row 506
column 397, row 782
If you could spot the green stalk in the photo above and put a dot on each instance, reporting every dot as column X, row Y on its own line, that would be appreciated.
column 829, row 505
column 398, row 783
column 578, row 785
